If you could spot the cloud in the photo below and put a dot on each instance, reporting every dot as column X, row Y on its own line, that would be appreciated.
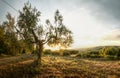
column 93, row 22
column 114, row 35
column 107, row 11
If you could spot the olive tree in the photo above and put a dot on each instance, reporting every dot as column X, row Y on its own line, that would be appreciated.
column 51, row 34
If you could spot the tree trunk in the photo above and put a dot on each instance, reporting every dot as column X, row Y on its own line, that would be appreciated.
column 39, row 54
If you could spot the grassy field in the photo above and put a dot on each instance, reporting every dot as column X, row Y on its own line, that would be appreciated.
column 58, row 67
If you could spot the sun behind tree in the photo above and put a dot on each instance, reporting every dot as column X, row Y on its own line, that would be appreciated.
column 54, row 48
column 50, row 34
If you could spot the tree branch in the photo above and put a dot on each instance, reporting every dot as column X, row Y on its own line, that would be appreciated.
column 21, row 34
column 34, row 35
column 47, row 40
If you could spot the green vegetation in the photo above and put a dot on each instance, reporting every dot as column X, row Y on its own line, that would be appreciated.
column 9, row 42
column 21, row 40
column 28, row 35
column 109, row 52
column 65, row 63
column 61, row 52
column 106, row 52
column 31, row 31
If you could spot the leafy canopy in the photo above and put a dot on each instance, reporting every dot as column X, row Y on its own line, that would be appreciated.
column 31, row 30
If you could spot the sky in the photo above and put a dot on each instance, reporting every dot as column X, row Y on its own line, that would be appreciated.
column 93, row 22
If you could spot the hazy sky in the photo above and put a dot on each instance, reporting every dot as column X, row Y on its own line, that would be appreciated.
column 93, row 22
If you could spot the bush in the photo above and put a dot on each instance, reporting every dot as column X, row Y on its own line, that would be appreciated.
column 47, row 51
column 55, row 53
column 118, row 54
column 82, row 55
column 73, row 51
column 69, row 52
column 66, row 53
column 110, row 52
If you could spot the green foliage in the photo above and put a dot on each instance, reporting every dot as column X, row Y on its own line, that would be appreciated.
column 61, row 52
column 21, row 36
column 27, row 22
column 55, row 53
column 60, row 34
column 9, row 42
column 111, row 52
column 2, row 41
column 47, row 51
column 69, row 52
column 30, row 29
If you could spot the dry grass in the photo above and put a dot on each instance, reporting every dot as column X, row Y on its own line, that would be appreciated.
column 81, row 68
column 61, row 67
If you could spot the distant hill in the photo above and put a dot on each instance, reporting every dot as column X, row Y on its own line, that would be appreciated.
column 97, row 48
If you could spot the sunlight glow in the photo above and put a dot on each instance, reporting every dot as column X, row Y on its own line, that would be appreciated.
column 55, row 48
column 88, row 31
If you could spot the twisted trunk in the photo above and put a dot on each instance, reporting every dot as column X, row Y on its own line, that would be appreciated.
column 40, row 48
column 39, row 54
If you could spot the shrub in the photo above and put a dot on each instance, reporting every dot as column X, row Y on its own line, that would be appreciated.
column 79, row 55
column 69, row 52
column 73, row 51
column 47, row 51
column 110, row 52
column 66, row 53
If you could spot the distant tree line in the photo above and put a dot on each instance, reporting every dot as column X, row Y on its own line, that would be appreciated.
column 111, row 52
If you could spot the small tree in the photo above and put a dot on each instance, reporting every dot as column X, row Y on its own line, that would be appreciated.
column 56, row 34
column 11, row 44
column 2, row 41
